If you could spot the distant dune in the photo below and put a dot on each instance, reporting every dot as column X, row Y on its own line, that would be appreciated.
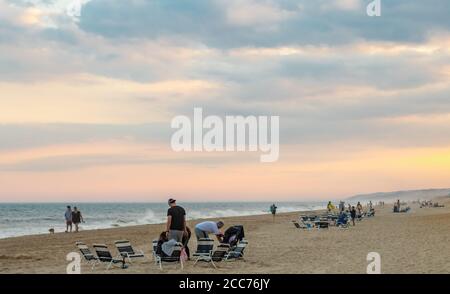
column 402, row 195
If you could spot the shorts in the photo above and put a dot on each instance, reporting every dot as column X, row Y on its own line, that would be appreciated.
column 69, row 223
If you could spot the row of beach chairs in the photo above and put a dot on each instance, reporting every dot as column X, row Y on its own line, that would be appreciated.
column 205, row 252
column 103, row 255
column 326, row 220
column 126, row 253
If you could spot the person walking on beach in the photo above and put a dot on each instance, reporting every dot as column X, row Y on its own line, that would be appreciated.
column 68, row 217
column 353, row 215
column 202, row 230
column 273, row 210
column 176, row 221
column 77, row 218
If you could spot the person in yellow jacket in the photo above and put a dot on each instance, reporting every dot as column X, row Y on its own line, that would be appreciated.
column 330, row 206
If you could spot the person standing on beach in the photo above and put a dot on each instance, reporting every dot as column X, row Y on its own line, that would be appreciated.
column 330, row 206
column 68, row 217
column 176, row 221
column 77, row 218
column 353, row 215
column 273, row 210
column 359, row 207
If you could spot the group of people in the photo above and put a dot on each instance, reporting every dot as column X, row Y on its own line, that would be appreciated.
column 73, row 217
column 429, row 203
column 178, row 232
column 355, row 212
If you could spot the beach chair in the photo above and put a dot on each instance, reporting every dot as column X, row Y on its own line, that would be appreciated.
column 204, row 247
column 174, row 258
column 104, row 255
column 127, row 251
column 154, row 248
column 322, row 224
column 343, row 221
column 237, row 252
column 302, row 225
column 89, row 257
column 216, row 255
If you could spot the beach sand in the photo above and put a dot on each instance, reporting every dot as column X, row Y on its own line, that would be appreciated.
column 414, row 242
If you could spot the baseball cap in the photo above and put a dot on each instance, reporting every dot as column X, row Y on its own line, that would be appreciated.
column 171, row 200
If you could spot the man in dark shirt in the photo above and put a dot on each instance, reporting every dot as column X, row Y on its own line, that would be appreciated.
column 176, row 221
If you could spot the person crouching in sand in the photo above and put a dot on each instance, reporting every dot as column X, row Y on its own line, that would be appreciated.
column 202, row 230
column 68, row 217
column 77, row 218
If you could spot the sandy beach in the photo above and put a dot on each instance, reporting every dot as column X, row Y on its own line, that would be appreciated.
column 414, row 242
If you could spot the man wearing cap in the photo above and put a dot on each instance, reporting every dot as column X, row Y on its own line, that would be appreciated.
column 176, row 221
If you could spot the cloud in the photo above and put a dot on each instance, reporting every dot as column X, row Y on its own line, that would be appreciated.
column 347, row 5
column 118, row 73
column 300, row 22
column 263, row 14
column 50, row 13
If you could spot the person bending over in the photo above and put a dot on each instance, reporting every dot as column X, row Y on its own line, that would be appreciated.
column 202, row 230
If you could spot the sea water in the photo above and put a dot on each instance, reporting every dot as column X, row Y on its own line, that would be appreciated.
column 37, row 218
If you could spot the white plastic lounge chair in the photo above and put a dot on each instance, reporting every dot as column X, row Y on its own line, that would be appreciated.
column 89, row 257
column 215, row 256
column 174, row 258
column 104, row 255
column 127, row 251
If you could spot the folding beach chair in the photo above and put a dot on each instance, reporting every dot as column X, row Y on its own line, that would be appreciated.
column 104, row 255
column 302, row 225
column 237, row 252
column 343, row 221
column 89, row 258
column 204, row 247
column 216, row 255
column 174, row 258
column 322, row 224
column 154, row 248
column 127, row 251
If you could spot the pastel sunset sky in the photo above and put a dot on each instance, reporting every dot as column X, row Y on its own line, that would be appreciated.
column 86, row 101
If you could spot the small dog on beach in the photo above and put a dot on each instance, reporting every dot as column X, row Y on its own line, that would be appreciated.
column 51, row 230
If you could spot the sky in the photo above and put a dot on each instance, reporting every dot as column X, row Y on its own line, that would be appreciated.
column 86, row 99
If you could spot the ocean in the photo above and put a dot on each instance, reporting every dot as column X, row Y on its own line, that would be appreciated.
column 37, row 218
